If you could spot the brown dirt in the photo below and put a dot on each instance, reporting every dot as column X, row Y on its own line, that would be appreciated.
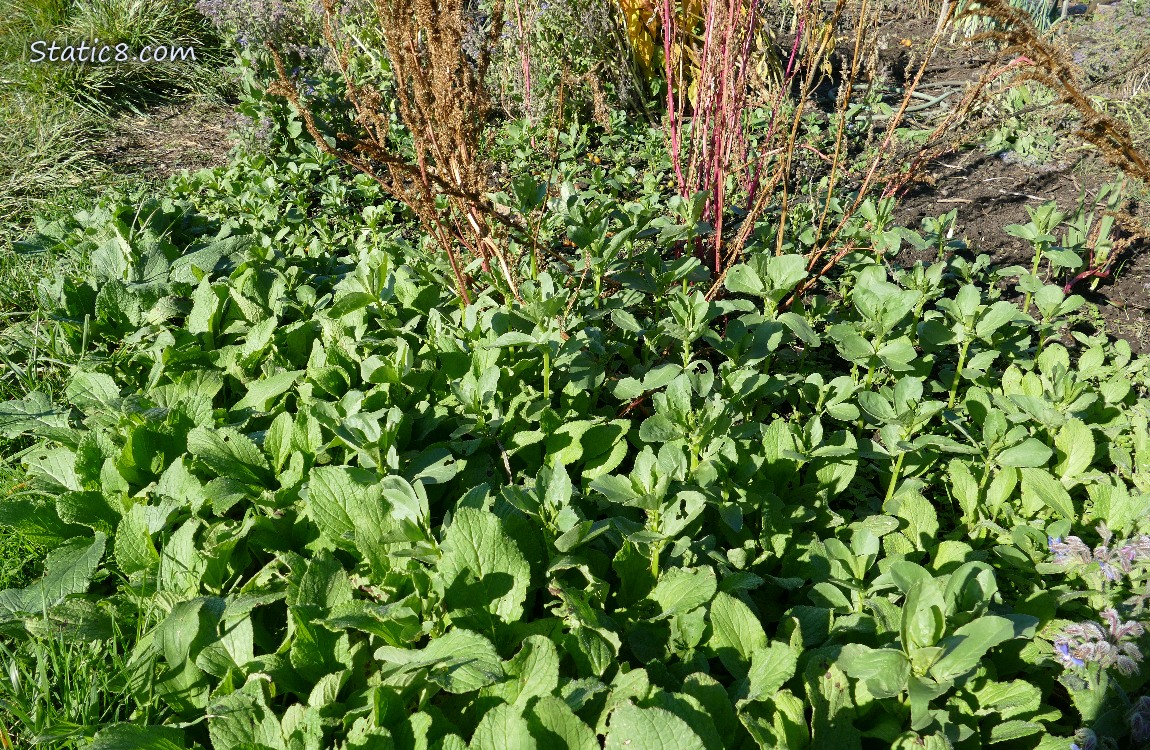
column 991, row 191
column 168, row 139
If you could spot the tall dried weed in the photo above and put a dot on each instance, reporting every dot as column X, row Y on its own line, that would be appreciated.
column 444, row 107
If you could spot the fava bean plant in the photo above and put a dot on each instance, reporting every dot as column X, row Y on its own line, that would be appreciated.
column 312, row 501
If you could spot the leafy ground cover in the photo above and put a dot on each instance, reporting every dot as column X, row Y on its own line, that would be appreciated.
column 288, row 491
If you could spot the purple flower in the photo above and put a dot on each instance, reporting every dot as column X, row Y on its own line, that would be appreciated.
column 1139, row 720
column 1073, row 550
column 1066, row 657
column 1085, row 643
column 1115, row 561
column 1084, row 739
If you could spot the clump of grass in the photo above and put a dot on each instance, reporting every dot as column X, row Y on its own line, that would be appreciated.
column 51, row 114
column 109, row 87
column 58, row 687
column 18, row 556
column 45, row 149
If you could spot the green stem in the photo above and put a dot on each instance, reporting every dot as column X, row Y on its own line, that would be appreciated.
column 958, row 373
column 982, row 489
column 547, row 373
column 655, row 550
column 894, row 478
column 1033, row 272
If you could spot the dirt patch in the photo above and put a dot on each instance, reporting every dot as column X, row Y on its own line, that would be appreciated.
column 168, row 139
column 991, row 191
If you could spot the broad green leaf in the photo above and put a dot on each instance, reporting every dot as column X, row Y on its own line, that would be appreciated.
column 634, row 728
column 1029, row 453
column 133, row 546
column 277, row 440
column 564, row 445
column 920, row 516
column 137, row 737
column 68, row 570
column 54, row 469
column 742, row 279
column 349, row 303
column 964, row 488
column 682, row 590
column 338, row 499
column 183, row 634
column 34, row 517
column 970, row 588
column 779, row 722
column 90, row 508
column 459, row 661
column 482, row 569
column 182, row 564
column 217, row 254
column 964, row 650
column 323, row 586
column 1008, row 699
column 89, row 391
column 884, row 671
column 1039, row 488
column 230, row 454
column 591, row 651
column 735, row 633
column 206, row 301
column 693, row 713
column 503, row 728
column 829, row 694
column 771, row 668
column 711, row 694
column 1014, row 729
column 234, row 648
column 396, row 624
column 923, row 609
column 534, row 671
column 34, row 414
column 243, row 720
column 554, row 725
column 262, row 392
column 1074, row 444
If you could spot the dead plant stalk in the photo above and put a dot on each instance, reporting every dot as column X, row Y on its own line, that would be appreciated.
column 443, row 105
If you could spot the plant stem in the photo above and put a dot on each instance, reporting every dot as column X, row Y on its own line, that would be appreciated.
column 547, row 373
column 1033, row 272
column 958, row 373
column 894, row 478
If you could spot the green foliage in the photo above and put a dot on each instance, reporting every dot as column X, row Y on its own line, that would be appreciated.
column 1021, row 130
column 324, row 506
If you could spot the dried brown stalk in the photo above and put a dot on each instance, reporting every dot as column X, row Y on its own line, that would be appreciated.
column 444, row 106
column 1050, row 66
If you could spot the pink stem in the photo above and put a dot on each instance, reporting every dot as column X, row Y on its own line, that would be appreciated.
column 526, row 60
column 673, row 123
column 775, row 110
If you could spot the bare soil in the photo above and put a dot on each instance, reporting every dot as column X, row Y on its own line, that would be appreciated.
column 991, row 191
column 165, row 140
